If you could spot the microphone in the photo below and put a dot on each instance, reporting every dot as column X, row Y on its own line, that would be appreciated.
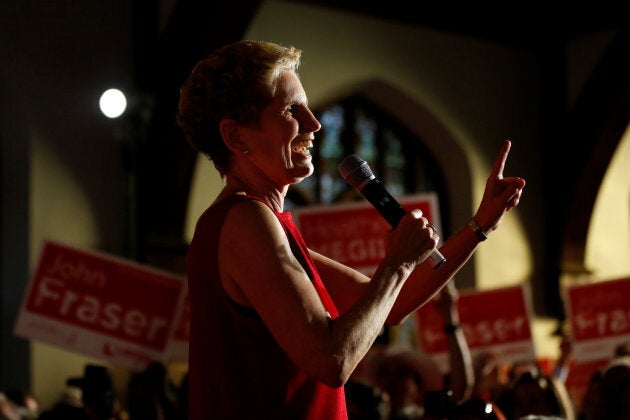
column 356, row 172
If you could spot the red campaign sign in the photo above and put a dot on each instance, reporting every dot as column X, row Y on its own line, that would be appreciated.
column 178, row 348
column 182, row 329
column 100, row 305
column 492, row 320
column 600, row 317
column 355, row 234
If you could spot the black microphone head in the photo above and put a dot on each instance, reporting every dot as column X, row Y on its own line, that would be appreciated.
column 355, row 171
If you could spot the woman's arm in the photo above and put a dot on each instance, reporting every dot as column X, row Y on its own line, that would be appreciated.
column 500, row 196
column 259, row 270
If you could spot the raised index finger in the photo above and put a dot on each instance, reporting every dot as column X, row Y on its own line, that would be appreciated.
column 499, row 163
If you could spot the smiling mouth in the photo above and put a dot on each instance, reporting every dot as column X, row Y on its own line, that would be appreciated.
column 302, row 146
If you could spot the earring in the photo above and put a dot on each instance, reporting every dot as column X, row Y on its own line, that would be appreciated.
column 245, row 152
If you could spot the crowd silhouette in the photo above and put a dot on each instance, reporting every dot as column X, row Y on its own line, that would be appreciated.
column 395, row 382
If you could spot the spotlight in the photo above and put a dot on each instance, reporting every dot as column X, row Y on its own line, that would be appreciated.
column 113, row 103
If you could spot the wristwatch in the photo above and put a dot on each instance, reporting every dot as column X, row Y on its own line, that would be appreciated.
column 475, row 227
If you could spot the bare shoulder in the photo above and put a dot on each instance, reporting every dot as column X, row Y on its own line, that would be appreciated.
column 250, row 229
column 253, row 251
column 251, row 218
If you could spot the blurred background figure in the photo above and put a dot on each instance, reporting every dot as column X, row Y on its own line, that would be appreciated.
column 416, row 385
column 491, row 376
column 19, row 404
column 460, row 379
column 152, row 396
column 405, row 375
column 366, row 402
column 612, row 400
column 587, row 406
column 69, row 407
column 99, row 399
column 532, row 393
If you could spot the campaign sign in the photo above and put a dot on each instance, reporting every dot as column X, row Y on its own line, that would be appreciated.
column 178, row 346
column 496, row 322
column 600, row 317
column 100, row 306
column 355, row 233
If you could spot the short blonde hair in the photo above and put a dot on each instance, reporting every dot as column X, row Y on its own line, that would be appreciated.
column 236, row 81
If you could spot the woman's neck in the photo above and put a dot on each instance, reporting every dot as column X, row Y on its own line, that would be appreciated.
column 235, row 185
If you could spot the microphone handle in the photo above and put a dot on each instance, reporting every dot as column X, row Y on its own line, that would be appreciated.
column 383, row 201
column 392, row 211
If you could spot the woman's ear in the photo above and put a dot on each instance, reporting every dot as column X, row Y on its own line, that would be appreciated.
column 230, row 134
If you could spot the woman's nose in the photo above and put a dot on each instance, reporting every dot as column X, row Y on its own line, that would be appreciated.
column 310, row 124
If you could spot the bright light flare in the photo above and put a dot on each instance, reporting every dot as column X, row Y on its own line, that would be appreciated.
column 113, row 103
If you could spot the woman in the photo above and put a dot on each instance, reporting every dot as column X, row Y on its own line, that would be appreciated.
column 276, row 329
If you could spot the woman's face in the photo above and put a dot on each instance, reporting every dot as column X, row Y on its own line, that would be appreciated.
column 279, row 142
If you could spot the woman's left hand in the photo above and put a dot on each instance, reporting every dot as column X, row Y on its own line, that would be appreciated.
column 501, row 194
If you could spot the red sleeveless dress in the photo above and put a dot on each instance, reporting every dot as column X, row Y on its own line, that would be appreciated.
column 236, row 368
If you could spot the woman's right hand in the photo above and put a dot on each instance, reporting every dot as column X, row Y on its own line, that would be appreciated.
column 413, row 240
